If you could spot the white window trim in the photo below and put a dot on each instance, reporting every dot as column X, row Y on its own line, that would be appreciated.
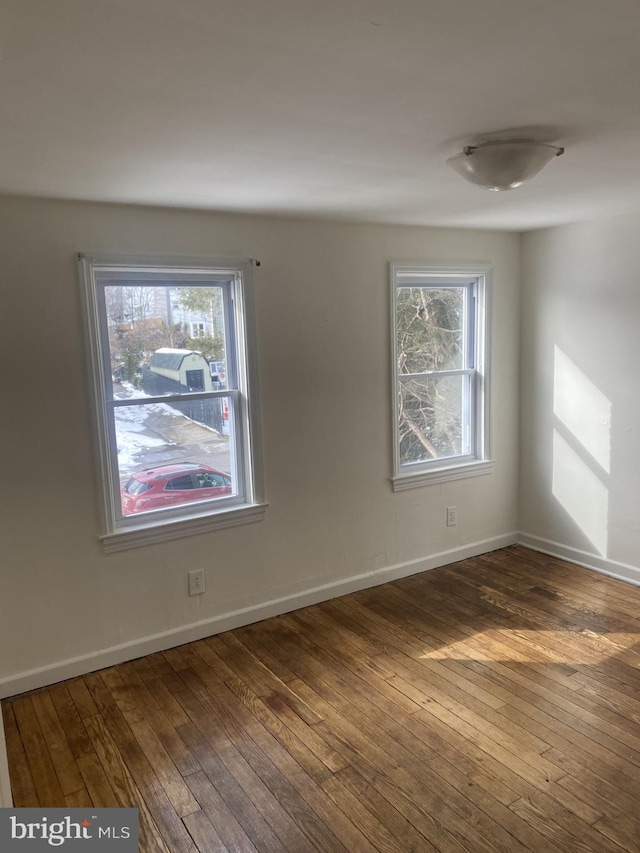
column 478, row 461
column 198, row 518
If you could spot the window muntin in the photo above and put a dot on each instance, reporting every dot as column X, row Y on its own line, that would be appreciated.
column 156, row 402
column 440, row 371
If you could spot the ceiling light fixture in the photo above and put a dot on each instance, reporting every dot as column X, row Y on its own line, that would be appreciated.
column 503, row 164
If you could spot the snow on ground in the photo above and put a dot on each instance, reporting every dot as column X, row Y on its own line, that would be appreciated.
column 132, row 433
column 151, row 434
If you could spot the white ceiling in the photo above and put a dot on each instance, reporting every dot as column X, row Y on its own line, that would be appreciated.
column 333, row 108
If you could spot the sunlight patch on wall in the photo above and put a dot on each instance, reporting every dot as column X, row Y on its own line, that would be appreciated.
column 582, row 408
column 581, row 493
column 581, row 450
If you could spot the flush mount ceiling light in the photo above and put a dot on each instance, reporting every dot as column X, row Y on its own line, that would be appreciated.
column 503, row 164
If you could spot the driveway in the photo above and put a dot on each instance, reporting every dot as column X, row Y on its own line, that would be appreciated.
column 157, row 435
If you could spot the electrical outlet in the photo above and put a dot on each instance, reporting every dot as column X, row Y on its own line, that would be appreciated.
column 452, row 516
column 196, row 582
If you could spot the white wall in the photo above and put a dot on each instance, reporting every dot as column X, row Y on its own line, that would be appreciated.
column 580, row 451
column 322, row 306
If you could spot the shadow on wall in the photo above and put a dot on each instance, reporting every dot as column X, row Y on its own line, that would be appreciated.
column 581, row 450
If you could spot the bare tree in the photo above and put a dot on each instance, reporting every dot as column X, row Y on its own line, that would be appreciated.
column 429, row 338
column 127, row 304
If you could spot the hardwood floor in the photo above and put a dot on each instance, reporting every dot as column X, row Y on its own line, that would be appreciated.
column 492, row 705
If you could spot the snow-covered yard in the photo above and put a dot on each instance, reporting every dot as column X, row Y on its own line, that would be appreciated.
column 156, row 434
column 133, row 434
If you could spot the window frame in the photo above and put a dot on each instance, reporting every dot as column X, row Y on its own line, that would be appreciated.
column 120, row 532
column 476, row 279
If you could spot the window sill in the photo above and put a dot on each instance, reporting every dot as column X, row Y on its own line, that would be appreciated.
column 441, row 475
column 151, row 534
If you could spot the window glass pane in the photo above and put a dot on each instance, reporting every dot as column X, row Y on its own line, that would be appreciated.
column 136, row 487
column 430, row 328
column 165, row 339
column 432, row 418
column 173, row 454
column 179, row 484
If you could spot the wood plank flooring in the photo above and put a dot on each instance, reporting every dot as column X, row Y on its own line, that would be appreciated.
column 492, row 705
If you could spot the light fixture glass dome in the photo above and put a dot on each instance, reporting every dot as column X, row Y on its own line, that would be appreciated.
column 503, row 165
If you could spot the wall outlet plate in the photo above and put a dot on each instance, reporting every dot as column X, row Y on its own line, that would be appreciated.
column 196, row 581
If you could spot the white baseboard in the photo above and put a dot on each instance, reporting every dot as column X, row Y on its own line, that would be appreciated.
column 43, row 676
column 595, row 562
column 6, row 800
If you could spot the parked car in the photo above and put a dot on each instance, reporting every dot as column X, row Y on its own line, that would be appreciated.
column 172, row 485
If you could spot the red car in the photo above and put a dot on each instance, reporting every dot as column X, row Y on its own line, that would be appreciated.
column 172, row 485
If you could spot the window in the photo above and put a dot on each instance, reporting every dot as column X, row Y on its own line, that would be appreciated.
column 440, row 372
column 178, row 454
column 197, row 330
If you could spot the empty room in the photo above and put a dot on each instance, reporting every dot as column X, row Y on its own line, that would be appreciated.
column 320, row 529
